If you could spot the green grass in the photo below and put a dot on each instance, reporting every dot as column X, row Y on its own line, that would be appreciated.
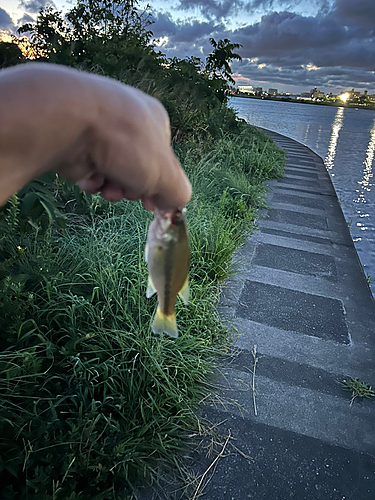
column 91, row 402
column 358, row 389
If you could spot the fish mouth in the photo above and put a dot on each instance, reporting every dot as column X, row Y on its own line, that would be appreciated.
column 174, row 216
column 164, row 214
column 178, row 217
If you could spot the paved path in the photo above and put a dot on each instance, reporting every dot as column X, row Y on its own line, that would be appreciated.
column 301, row 297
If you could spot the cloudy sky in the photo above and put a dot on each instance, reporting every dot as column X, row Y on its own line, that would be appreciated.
column 289, row 45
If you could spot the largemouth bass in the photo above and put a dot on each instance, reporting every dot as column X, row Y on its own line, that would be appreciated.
column 167, row 255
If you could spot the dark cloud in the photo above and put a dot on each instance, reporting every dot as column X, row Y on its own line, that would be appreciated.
column 6, row 22
column 163, row 25
column 360, row 13
column 188, row 31
column 285, row 33
column 334, row 48
column 215, row 9
column 272, row 5
column 194, row 30
column 33, row 6
column 285, row 39
column 212, row 8
column 328, row 79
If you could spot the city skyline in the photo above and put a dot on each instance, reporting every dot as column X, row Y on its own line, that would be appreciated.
column 321, row 92
column 328, row 43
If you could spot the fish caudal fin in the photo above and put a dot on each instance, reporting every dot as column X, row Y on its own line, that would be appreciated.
column 164, row 324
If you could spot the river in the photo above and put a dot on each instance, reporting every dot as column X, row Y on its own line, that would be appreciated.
column 345, row 139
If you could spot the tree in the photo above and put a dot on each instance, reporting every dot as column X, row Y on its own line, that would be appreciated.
column 109, row 35
column 218, row 66
column 10, row 54
column 92, row 19
column 217, row 63
column 52, row 39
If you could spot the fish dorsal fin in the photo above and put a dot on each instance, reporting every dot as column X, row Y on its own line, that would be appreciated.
column 150, row 288
column 184, row 293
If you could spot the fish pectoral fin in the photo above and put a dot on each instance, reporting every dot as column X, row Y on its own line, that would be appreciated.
column 164, row 324
column 184, row 293
column 150, row 288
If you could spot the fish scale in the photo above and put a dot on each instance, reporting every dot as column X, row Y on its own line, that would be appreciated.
column 168, row 278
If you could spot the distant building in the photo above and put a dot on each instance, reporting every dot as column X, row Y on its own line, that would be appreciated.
column 353, row 94
column 258, row 90
column 246, row 89
column 272, row 91
column 316, row 93
column 305, row 94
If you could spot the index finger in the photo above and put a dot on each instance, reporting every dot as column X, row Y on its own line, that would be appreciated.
column 173, row 189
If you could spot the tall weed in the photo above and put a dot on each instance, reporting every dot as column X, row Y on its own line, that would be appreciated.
column 91, row 402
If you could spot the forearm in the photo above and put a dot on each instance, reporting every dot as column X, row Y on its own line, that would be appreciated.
column 95, row 131
column 43, row 112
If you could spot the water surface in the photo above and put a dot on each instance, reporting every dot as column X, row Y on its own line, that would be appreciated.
column 345, row 139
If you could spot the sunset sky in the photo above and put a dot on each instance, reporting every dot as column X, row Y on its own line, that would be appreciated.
column 291, row 46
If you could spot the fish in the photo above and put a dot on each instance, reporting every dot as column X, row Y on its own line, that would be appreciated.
column 167, row 254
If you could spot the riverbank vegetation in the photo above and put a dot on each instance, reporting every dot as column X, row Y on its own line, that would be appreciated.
column 91, row 402
column 338, row 103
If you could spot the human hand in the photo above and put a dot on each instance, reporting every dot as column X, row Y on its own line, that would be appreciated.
column 92, row 130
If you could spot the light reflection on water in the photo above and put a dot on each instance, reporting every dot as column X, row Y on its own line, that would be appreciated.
column 364, row 193
column 306, row 133
column 320, row 129
column 364, row 183
column 336, row 127
column 345, row 138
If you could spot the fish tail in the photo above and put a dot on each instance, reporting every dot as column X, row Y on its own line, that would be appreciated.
column 165, row 324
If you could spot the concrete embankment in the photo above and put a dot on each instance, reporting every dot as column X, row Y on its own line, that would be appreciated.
column 302, row 299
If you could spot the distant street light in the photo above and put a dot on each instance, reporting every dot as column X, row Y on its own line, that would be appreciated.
column 345, row 97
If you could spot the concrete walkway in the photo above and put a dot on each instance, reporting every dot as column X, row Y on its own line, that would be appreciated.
column 302, row 298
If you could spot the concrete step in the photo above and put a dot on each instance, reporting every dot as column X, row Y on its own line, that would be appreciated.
column 283, row 403
column 286, row 465
column 353, row 360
